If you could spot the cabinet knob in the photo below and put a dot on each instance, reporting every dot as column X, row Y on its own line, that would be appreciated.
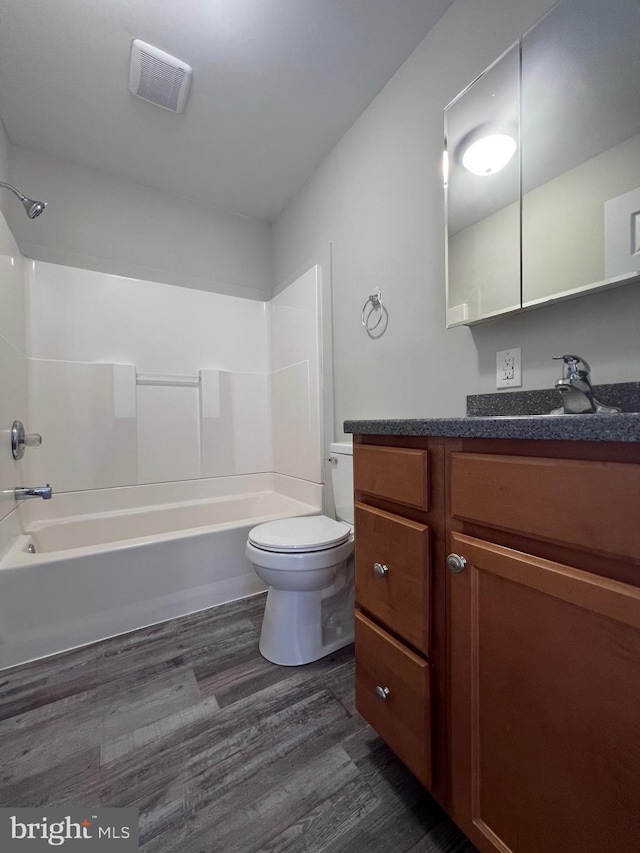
column 456, row 563
column 380, row 570
column 382, row 693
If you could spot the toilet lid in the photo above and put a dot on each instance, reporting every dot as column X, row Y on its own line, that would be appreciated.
column 307, row 533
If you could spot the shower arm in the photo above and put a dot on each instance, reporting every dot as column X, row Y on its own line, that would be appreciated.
column 13, row 190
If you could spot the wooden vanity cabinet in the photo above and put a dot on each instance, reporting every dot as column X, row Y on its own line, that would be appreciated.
column 400, row 628
column 544, row 642
column 519, row 673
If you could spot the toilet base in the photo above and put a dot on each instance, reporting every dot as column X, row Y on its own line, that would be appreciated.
column 300, row 627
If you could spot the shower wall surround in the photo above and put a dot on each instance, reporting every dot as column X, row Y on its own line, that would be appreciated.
column 132, row 381
column 295, row 378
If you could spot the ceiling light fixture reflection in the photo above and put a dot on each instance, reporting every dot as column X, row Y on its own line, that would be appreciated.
column 489, row 154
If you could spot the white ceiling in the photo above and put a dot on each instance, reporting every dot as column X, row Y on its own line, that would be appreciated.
column 276, row 83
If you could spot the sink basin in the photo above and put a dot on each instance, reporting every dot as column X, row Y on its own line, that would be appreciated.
column 524, row 417
column 550, row 415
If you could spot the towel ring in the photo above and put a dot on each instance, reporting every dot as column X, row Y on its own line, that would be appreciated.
column 375, row 316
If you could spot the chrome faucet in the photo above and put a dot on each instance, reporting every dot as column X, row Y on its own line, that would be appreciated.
column 22, row 493
column 576, row 389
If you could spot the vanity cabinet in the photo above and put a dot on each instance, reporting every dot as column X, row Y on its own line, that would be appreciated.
column 544, row 641
column 533, row 698
column 399, row 634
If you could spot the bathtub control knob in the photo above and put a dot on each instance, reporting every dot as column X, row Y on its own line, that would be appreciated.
column 380, row 570
column 382, row 693
column 20, row 440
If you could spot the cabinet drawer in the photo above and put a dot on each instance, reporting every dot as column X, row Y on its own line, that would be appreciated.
column 403, row 718
column 394, row 473
column 397, row 591
column 592, row 506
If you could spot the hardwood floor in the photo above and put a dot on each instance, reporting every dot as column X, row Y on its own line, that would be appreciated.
column 219, row 750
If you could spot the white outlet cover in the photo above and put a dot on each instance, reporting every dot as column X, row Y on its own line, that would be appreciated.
column 509, row 368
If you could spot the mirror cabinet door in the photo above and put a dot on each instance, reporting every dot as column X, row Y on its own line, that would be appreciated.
column 483, row 194
column 580, row 134
column 562, row 216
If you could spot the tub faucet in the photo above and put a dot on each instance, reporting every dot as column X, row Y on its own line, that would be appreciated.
column 576, row 389
column 21, row 493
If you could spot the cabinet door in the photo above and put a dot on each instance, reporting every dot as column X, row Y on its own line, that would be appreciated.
column 393, row 693
column 400, row 598
column 545, row 696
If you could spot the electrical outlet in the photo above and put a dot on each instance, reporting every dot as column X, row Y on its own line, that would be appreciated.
column 509, row 368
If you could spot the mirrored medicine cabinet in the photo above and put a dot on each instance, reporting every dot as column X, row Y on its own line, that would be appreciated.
column 542, row 166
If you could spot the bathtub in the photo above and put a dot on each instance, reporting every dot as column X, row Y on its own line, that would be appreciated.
column 113, row 560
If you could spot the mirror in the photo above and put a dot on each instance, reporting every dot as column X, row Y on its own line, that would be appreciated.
column 562, row 217
column 580, row 149
column 483, row 209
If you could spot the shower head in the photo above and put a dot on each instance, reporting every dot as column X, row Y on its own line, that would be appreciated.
column 33, row 208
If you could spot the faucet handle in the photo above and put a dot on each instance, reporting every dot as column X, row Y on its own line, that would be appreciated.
column 571, row 366
column 20, row 440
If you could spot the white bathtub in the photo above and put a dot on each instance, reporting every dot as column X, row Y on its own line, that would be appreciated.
column 114, row 560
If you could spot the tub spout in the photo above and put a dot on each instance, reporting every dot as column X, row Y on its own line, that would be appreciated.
column 21, row 493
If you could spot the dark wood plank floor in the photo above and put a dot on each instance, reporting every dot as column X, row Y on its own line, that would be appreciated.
column 219, row 750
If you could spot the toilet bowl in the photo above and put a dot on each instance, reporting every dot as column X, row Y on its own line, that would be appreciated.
column 307, row 562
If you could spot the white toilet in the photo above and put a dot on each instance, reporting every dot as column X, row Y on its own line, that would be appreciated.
column 307, row 563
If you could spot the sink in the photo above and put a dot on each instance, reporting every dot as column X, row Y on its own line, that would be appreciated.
column 524, row 417
column 549, row 415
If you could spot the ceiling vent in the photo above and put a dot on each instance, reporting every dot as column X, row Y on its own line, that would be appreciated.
column 158, row 77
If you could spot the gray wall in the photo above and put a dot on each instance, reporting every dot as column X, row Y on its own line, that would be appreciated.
column 13, row 363
column 378, row 200
column 99, row 222
column 4, row 169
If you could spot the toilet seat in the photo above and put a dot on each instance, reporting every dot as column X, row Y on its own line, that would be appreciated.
column 300, row 535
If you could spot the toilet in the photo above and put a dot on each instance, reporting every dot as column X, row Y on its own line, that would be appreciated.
column 307, row 562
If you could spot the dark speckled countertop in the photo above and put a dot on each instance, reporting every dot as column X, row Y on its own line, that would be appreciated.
column 507, row 416
column 623, row 427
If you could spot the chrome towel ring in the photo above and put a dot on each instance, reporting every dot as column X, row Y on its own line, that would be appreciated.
column 375, row 319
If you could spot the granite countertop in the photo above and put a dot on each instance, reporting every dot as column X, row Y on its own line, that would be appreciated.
column 507, row 415
column 622, row 427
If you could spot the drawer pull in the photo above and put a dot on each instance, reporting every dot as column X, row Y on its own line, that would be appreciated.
column 380, row 570
column 456, row 563
column 382, row 693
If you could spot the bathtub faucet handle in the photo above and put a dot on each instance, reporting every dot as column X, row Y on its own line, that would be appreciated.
column 33, row 439
column 20, row 440
column 22, row 493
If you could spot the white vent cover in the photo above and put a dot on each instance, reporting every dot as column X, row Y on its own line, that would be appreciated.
column 158, row 77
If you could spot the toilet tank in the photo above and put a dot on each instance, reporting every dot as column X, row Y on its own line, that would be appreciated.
column 341, row 453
